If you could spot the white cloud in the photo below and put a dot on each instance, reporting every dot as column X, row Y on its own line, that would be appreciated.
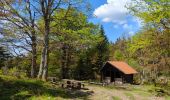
column 129, row 29
column 113, row 11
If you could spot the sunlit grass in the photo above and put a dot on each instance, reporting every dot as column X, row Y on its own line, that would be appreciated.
column 116, row 98
column 12, row 88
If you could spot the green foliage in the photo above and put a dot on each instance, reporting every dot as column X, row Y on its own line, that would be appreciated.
column 74, row 29
column 86, row 65
column 154, row 11
column 103, row 44
column 92, row 59
column 102, row 49
column 118, row 55
column 137, row 42
column 54, row 64
column 18, row 73
column 76, row 37
column 148, row 50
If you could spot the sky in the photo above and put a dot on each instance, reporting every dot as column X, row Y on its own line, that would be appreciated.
column 115, row 18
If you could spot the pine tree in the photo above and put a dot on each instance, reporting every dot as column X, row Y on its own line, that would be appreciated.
column 102, row 50
column 4, row 55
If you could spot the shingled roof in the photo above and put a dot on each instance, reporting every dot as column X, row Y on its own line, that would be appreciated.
column 123, row 67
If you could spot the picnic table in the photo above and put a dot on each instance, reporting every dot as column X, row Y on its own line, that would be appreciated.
column 72, row 84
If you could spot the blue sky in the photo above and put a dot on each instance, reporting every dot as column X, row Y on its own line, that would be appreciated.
column 115, row 18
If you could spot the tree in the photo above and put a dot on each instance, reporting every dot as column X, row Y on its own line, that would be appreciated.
column 25, row 14
column 102, row 50
column 4, row 55
column 75, row 34
column 21, row 22
column 153, row 43
column 48, row 7
column 155, row 12
column 3, row 13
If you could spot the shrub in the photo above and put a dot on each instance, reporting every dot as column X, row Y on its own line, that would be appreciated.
column 17, row 73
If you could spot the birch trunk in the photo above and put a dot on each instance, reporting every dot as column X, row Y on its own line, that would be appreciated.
column 43, row 71
column 41, row 64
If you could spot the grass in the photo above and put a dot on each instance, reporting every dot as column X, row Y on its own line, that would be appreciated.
column 116, row 98
column 131, row 97
column 12, row 88
column 167, row 98
column 143, row 90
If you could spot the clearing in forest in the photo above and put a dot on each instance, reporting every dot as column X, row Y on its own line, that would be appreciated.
column 12, row 88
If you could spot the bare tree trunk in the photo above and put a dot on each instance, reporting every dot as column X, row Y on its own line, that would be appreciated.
column 34, row 64
column 34, row 56
column 46, row 7
column 45, row 54
column 45, row 69
column 41, row 64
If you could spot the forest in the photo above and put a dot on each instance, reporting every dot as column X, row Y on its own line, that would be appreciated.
column 54, row 38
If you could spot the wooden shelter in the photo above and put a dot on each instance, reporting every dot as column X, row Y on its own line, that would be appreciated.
column 119, row 71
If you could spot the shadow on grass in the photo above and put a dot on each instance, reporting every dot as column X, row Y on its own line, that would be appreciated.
column 24, row 89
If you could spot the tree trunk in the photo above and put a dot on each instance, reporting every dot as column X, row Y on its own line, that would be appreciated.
column 45, row 69
column 41, row 64
column 34, row 57
column 45, row 54
column 65, row 62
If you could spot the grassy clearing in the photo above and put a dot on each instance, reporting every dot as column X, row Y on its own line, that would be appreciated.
column 143, row 90
column 12, row 88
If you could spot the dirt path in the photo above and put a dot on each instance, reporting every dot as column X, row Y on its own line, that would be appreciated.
column 102, row 93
